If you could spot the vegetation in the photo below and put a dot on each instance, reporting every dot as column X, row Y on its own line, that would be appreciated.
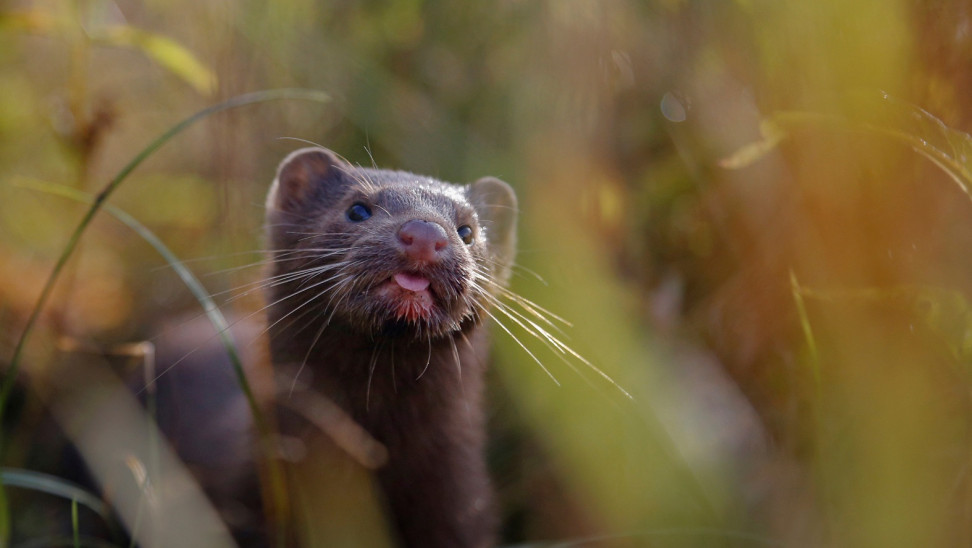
column 754, row 216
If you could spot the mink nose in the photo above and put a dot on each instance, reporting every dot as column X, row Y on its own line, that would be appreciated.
column 423, row 240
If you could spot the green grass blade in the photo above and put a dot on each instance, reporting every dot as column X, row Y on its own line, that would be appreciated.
column 53, row 485
column 235, row 102
column 797, row 291
column 188, row 278
column 885, row 116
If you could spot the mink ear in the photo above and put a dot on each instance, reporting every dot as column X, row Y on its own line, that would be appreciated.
column 495, row 204
column 302, row 175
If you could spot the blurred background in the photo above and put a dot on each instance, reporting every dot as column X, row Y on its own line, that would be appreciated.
column 754, row 214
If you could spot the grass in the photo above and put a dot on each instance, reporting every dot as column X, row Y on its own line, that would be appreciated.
column 788, row 242
column 98, row 202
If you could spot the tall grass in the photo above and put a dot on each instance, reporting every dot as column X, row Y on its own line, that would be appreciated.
column 754, row 214
column 278, row 496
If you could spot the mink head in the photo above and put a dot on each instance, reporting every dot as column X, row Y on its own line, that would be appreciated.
column 386, row 252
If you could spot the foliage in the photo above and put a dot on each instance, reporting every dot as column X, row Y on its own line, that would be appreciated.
column 754, row 215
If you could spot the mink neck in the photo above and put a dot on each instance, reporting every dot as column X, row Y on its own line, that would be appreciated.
column 426, row 410
column 372, row 375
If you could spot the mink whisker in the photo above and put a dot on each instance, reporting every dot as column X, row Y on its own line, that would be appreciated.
column 462, row 387
column 307, row 236
column 274, row 281
column 455, row 354
column 533, row 308
column 371, row 374
column 305, row 303
column 367, row 148
column 280, row 256
column 558, row 347
column 335, row 288
column 310, row 348
column 338, row 289
column 428, row 360
column 299, row 140
column 217, row 257
column 391, row 360
column 520, row 344
column 356, row 175
column 529, row 309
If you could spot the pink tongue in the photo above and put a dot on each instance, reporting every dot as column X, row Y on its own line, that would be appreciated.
column 410, row 282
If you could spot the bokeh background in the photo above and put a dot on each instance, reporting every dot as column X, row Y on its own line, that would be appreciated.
column 754, row 214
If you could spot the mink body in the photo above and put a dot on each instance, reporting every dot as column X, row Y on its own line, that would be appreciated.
column 381, row 283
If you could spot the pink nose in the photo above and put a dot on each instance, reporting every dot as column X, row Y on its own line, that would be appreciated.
column 423, row 240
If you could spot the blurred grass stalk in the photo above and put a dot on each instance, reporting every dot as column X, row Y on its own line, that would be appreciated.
column 881, row 412
column 880, row 458
column 115, row 436
column 636, row 475
column 885, row 431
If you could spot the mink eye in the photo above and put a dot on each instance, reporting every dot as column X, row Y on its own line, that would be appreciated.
column 358, row 212
column 466, row 233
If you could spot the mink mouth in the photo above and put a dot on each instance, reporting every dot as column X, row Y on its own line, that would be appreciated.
column 409, row 295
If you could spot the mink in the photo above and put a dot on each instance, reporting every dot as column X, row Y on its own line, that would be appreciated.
column 379, row 293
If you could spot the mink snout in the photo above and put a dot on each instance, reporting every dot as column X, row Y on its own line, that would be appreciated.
column 423, row 241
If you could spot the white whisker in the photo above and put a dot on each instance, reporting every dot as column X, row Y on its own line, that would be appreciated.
column 428, row 360
column 371, row 374
column 525, row 349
